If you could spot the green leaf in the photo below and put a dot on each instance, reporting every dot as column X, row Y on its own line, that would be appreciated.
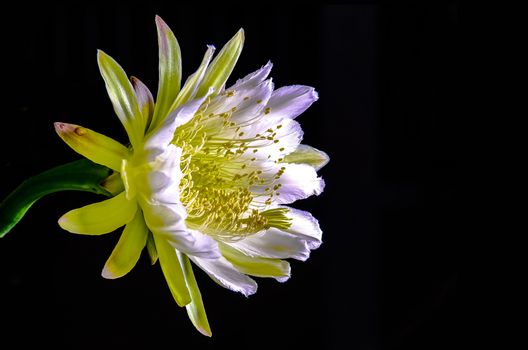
column 169, row 72
column 81, row 175
column 195, row 309
column 305, row 154
column 222, row 66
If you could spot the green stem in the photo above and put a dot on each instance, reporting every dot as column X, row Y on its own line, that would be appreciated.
column 81, row 175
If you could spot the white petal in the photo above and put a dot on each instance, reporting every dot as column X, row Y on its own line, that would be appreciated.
column 160, row 137
column 244, row 104
column 252, row 103
column 164, row 218
column 290, row 101
column 167, row 221
column 253, row 79
column 225, row 274
column 298, row 181
column 274, row 243
column 288, row 133
column 305, row 226
column 194, row 243
column 165, row 175
column 156, row 180
column 164, row 213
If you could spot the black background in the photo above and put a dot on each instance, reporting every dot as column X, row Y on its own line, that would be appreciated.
column 388, row 274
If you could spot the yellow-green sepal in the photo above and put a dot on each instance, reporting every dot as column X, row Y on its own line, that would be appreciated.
column 100, row 218
column 169, row 72
column 191, row 85
column 151, row 249
column 222, row 65
column 195, row 309
column 128, row 249
column 305, row 154
column 172, row 271
column 256, row 266
column 123, row 97
column 97, row 147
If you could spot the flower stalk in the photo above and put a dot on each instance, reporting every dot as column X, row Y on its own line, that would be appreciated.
column 81, row 175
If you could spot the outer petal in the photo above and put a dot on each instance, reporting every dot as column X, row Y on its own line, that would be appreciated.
column 275, row 244
column 290, row 101
column 225, row 274
column 169, row 72
column 123, row 97
column 191, row 85
column 222, row 65
column 128, row 249
column 94, row 146
column 100, row 218
column 305, row 154
column 172, row 271
column 195, row 309
column 256, row 266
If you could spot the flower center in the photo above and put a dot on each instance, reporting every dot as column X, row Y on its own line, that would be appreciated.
column 218, row 179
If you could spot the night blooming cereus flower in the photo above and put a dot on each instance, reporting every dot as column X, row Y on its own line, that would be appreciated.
column 206, row 175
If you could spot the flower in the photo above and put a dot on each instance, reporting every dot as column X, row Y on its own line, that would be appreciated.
column 206, row 176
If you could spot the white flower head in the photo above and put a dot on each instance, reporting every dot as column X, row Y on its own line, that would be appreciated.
column 206, row 176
